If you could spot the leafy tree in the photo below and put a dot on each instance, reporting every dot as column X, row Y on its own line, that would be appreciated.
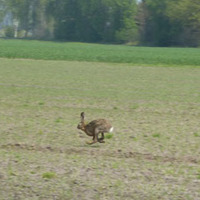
column 185, row 14
column 169, row 22
column 20, row 11
column 128, row 30
column 31, row 16
column 2, row 9
column 157, row 24
column 95, row 20
column 77, row 20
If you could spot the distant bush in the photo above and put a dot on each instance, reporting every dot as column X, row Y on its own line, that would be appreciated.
column 10, row 32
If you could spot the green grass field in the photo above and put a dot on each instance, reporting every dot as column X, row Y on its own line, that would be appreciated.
column 153, row 153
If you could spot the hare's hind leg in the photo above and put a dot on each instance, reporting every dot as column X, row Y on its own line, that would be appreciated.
column 101, row 140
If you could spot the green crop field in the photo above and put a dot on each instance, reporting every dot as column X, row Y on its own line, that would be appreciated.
column 154, row 151
column 100, row 53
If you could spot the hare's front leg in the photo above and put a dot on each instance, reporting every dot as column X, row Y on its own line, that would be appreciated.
column 95, row 138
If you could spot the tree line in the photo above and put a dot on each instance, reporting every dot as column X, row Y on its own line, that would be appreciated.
column 144, row 22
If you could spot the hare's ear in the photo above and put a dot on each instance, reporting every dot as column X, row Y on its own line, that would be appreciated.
column 82, row 116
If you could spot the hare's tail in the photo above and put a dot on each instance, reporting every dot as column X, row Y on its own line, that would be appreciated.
column 111, row 129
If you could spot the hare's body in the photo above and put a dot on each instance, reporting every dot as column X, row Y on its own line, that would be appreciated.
column 95, row 127
column 100, row 125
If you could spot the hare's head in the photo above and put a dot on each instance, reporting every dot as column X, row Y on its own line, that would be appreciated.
column 81, row 125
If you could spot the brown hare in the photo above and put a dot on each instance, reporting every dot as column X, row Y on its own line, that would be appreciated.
column 94, row 128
